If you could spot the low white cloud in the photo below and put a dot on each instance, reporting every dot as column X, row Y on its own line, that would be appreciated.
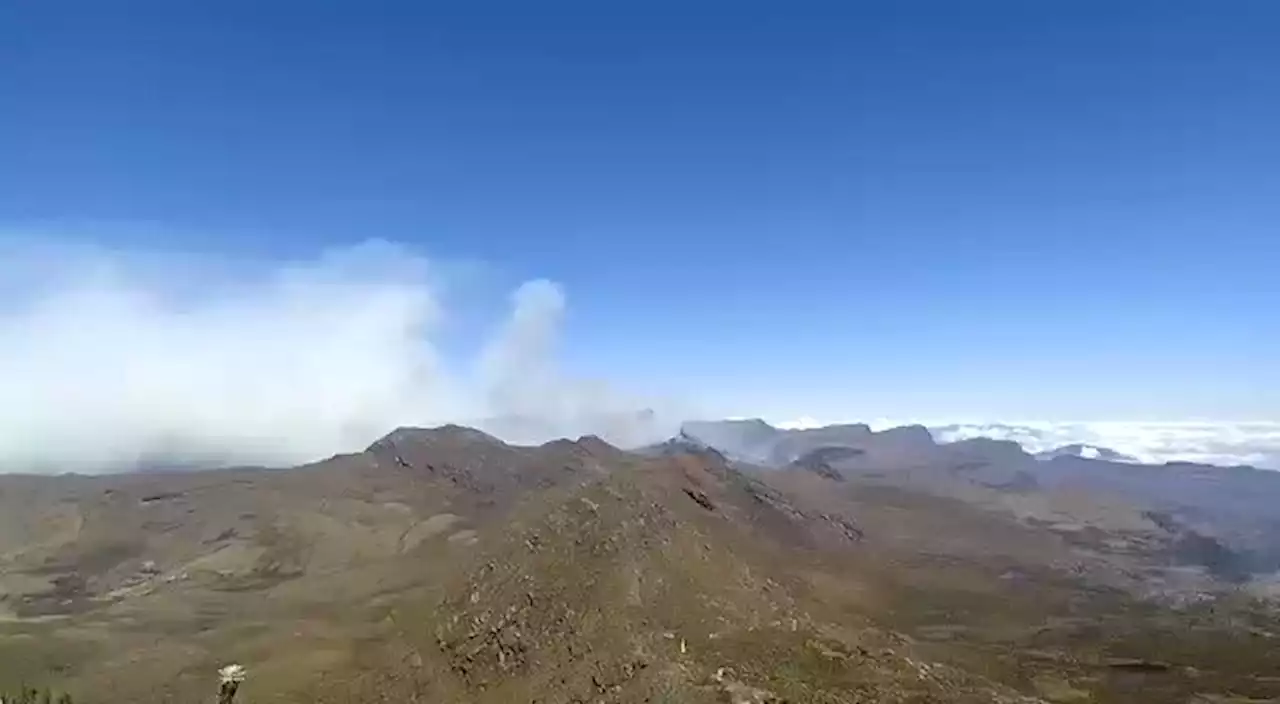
column 801, row 423
column 108, row 358
column 1254, row 443
column 1222, row 443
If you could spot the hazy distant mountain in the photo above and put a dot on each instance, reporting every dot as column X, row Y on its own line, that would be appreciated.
column 911, row 446
column 1108, row 489
column 747, row 440
column 1217, row 443
column 1088, row 452
column 682, row 444
column 624, row 429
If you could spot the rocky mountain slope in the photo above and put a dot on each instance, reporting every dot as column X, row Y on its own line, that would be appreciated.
column 445, row 565
column 1076, row 488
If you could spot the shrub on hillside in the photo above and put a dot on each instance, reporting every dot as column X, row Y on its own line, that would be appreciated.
column 229, row 680
column 26, row 695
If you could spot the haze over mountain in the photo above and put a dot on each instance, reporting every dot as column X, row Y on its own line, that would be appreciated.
column 113, row 359
column 1224, row 443
column 1234, row 506
column 116, row 359
column 1254, row 443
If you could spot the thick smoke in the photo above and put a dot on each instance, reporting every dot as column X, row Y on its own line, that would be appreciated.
column 112, row 360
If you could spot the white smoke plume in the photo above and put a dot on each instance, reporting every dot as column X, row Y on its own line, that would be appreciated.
column 109, row 359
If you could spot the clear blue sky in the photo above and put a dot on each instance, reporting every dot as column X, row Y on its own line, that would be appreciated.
column 908, row 209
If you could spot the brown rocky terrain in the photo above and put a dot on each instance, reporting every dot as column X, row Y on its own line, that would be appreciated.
column 445, row 565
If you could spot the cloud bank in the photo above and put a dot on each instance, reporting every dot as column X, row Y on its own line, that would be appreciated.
column 112, row 359
column 1221, row 443
column 109, row 359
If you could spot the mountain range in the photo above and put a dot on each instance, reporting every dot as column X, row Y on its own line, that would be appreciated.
column 1235, row 505
column 734, row 562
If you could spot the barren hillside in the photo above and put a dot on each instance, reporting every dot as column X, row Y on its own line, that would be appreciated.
column 445, row 565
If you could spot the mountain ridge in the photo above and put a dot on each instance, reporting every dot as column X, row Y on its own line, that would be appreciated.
column 1086, row 451
column 447, row 565
column 1233, row 505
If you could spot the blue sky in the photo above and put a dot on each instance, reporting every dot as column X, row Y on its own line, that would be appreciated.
column 990, row 210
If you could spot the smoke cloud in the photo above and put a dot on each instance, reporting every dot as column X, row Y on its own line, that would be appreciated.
column 111, row 359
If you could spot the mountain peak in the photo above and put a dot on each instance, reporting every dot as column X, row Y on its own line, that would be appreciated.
column 910, row 434
column 683, row 444
column 449, row 432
